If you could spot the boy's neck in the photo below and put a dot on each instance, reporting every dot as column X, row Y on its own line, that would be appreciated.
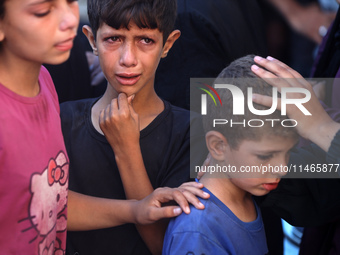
column 239, row 201
column 147, row 106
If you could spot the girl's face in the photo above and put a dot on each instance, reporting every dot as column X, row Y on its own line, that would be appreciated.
column 40, row 31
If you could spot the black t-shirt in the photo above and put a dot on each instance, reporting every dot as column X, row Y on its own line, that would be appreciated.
column 93, row 170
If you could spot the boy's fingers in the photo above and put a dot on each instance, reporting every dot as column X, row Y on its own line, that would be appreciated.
column 194, row 191
column 112, row 107
column 130, row 99
column 164, row 195
column 104, row 114
column 130, row 103
column 122, row 101
column 192, row 199
column 181, row 200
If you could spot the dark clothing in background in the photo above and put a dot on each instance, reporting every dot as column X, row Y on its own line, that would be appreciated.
column 214, row 33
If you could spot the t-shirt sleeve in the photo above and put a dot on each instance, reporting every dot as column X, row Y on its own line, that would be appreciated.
column 191, row 243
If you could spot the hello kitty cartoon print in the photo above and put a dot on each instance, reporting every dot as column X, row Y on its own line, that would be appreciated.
column 47, row 209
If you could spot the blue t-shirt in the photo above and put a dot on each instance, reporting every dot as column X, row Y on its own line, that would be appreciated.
column 214, row 230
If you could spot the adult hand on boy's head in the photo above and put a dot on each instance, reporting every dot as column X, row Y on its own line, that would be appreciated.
column 120, row 124
column 317, row 127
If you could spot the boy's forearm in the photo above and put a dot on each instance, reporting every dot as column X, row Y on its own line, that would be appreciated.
column 90, row 213
column 137, row 186
column 133, row 173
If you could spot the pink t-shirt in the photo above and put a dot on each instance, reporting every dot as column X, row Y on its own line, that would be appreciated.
column 33, row 172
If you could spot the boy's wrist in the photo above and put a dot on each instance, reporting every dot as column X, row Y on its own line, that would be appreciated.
column 130, row 214
column 123, row 154
column 136, row 208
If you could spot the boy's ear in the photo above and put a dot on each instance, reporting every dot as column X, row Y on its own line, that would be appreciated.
column 89, row 34
column 217, row 145
column 170, row 41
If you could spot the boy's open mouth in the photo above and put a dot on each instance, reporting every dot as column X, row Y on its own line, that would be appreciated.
column 128, row 79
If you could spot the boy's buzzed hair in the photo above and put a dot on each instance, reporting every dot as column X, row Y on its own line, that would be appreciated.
column 153, row 14
column 239, row 73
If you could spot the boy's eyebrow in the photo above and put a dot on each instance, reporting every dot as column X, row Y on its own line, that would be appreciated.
column 266, row 151
column 142, row 34
column 41, row 2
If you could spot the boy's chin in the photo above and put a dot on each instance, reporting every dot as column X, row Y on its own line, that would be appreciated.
column 260, row 192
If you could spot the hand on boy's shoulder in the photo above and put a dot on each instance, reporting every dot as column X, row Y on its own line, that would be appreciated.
column 154, row 206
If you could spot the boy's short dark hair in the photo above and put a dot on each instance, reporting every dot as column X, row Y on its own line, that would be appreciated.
column 160, row 14
column 239, row 73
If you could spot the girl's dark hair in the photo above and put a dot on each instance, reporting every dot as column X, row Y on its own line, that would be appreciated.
column 160, row 14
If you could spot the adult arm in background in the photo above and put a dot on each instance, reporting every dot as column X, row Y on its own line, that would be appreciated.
column 304, row 202
column 318, row 127
column 307, row 20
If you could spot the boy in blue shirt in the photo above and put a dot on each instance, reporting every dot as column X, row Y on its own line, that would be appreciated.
column 231, row 222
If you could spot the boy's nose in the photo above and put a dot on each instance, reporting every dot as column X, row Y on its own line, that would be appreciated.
column 128, row 56
column 70, row 16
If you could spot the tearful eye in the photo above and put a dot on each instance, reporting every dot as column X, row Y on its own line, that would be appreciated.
column 112, row 39
column 147, row 40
